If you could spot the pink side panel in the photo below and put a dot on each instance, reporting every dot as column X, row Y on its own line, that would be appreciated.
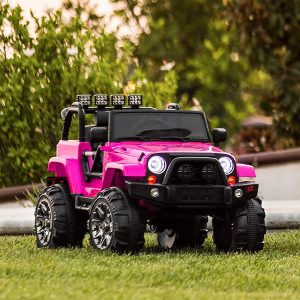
column 134, row 170
column 57, row 165
column 68, row 164
column 128, row 170
column 67, row 168
column 245, row 171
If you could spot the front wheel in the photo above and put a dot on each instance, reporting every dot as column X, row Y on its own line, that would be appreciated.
column 242, row 229
column 116, row 223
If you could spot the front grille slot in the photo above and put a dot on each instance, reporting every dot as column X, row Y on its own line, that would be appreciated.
column 195, row 173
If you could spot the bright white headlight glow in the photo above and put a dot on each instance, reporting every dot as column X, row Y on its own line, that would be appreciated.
column 227, row 164
column 157, row 165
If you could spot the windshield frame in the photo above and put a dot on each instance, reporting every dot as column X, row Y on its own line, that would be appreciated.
column 111, row 137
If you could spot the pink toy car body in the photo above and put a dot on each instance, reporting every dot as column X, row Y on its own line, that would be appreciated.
column 135, row 166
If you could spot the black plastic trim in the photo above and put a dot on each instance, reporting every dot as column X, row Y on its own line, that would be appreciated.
column 76, row 108
column 204, row 196
column 88, row 174
column 51, row 180
column 82, row 203
column 193, row 159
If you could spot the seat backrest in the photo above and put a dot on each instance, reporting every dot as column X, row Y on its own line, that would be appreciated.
column 101, row 118
column 99, row 135
column 88, row 129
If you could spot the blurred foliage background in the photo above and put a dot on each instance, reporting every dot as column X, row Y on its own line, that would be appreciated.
column 231, row 58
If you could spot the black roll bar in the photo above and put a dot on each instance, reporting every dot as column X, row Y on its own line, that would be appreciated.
column 75, row 108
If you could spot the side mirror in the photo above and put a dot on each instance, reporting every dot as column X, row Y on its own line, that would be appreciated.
column 219, row 135
column 64, row 113
column 173, row 106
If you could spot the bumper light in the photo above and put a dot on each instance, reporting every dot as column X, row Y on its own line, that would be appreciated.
column 154, row 192
column 238, row 193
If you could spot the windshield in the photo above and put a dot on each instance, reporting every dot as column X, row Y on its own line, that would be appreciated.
column 155, row 125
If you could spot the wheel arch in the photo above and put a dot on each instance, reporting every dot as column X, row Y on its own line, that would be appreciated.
column 245, row 170
column 57, row 165
column 64, row 169
column 113, row 178
column 115, row 174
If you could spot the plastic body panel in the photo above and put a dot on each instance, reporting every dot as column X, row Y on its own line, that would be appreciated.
column 245, row 171
column 122, row 161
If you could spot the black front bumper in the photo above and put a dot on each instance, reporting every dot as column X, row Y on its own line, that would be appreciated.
column 192, row 196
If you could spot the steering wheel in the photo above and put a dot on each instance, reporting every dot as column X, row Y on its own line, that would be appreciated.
column 153, row 124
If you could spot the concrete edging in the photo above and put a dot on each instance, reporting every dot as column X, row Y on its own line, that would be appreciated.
column 18, row 192
column 21, row 222
column 270, row 157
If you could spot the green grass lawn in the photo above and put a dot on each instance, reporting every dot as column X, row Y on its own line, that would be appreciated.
column 29, row 273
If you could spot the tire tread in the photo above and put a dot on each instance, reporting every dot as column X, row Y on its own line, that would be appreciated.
column 130, row 222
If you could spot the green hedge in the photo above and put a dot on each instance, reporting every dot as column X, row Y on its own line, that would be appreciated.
column 41, row 72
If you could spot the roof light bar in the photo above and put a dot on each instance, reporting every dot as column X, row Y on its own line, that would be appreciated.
column 101, row 100
column 85, row 100
column 135, row 100
column 118, row 100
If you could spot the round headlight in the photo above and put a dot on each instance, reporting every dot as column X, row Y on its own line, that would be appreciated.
column 157, row 165
column 227, row 164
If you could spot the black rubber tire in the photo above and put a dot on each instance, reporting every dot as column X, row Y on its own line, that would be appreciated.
column 68, row 226
column 129, row 222
column 192, row 232
column 243, row 230
column 222, row 232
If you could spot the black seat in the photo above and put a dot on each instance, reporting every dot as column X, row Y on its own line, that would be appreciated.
column 88, row 132
column 95, row 134
column 101, row 118
column 99, row 133
column 98, row 137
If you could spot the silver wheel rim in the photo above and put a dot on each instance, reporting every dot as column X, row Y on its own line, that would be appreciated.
column 101, row 226
column 166, row 238
column 44, row 222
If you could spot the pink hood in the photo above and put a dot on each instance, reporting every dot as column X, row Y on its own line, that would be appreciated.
column 136, row 148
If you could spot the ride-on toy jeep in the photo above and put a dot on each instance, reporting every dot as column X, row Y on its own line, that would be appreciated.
column 138, row 166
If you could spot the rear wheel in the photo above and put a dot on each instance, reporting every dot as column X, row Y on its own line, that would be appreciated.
column 57, row 223
column 222, row 232
column 243, row 229
column 192, row 232
column 116, row 223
